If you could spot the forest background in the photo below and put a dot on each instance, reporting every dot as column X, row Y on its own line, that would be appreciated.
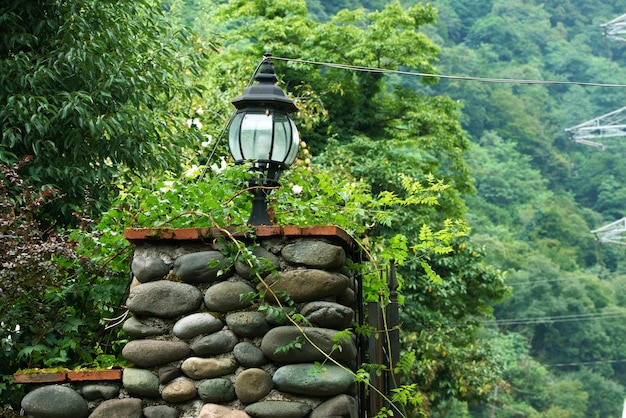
column 555, row 345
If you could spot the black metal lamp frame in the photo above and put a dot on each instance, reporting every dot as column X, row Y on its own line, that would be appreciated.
column 264, row 98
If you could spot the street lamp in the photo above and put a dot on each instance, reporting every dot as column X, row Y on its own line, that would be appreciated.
column 263, row 133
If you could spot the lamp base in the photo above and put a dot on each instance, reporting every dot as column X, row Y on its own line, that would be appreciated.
column 259, row 215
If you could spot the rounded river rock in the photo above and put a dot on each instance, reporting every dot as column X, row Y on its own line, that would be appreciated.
column 144, row 327
column 252, row 385
column 149, row 353
column 148, row 269
column 226, row 296
column 202, row 267
column 285, row 336
column 127, row 408
column 249, row 355
column 278, row 409
column 195, row 324
column 308, row 379
column 305, row 285
column 217, row 343
column 140, row 382
column 316, row 254
column 338, row 406
column 265, row 262
column 207, row 368
column 218, row 390
column 328, row 314
column 247, row 324
column 164, row 299
column 180, row 389
column 55, row 401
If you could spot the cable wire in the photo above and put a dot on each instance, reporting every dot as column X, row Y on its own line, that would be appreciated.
column 583, row 363
column 530, row 282
column 409, row 73
column 555, row 319
column 446, row 76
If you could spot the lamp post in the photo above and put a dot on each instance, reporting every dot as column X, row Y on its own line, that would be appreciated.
column 263, row 133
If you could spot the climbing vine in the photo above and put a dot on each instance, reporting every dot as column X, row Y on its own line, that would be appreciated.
column 218, row 197
column 96, row 256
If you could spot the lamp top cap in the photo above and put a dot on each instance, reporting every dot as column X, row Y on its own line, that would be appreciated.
column 265, row 94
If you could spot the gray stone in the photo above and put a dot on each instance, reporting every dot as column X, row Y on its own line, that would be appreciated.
column 304, row 285
column 193, row 325
column 160, row 411
column 119, row 408
column 207, row 368
column 55, row 401
column 284, row 336
column 278, row 409
column 247, row 324
column 328, row 314
column 218, row 411
column 149, row 353
column 252, row 385
column 217, row 390
column 347, row 298
column 164, row 299
column 180, row 389
column 341, row 406
column 144, row 327
column 217, row 343
column 308, row 379
column 148, row 269
column 265, row 263
column 140, row 382
column 226, row 296
column 249, row 355
column 169, row 373
column 202, row 267
column 92, row 391
column 316, row 254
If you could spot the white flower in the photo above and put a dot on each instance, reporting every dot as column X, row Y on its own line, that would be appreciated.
column 193, row 171
column 221, row 167
column 200, row 111
column 208, row 141
column 167, row 185
column 195, row 122
column 296, row 189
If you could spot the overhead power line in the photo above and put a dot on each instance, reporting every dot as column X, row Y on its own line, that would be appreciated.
column 584, row 363
column 555, row 319
column 447, row 76
column 533, row 282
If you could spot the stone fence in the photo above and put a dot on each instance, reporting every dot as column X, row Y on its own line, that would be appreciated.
column 211, row 335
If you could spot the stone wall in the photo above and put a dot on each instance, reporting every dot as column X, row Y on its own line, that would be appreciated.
column 202, row 345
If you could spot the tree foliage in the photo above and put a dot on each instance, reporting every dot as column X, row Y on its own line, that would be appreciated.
column 391, row 207
column 53, row 297
column 381, row 150
column 538, row 193
column 382, row 130
column 88, row 87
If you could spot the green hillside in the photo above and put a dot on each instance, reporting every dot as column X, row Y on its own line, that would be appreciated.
column 539, row 194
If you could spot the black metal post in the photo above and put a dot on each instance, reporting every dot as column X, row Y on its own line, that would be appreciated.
column 377, row 381
column 392, row 332
column 258, row 214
